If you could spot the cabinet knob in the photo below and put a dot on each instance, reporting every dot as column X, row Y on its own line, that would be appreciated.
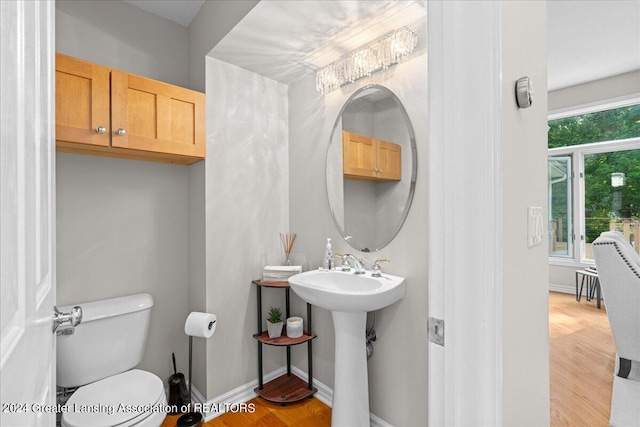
column 121, row 132
column 101, row 129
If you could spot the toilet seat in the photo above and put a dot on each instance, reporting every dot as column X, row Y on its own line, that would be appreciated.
column 131, row 398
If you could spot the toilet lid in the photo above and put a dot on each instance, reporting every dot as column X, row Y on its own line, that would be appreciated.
column 115, row 400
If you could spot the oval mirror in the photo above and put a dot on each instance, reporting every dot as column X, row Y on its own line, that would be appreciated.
column 371, row 168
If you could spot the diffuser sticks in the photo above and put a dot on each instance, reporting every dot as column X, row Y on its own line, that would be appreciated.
column 287, row 240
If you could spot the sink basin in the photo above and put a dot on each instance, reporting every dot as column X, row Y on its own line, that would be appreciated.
column 349, row 297
column 347, row 292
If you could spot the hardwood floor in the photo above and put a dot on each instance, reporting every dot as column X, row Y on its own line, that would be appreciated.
column 581, row 362
column 306, row 413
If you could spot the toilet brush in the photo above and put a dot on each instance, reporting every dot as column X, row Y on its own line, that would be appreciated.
column 198, row 325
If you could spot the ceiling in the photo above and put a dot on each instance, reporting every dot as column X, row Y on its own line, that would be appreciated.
column 590, row 40
column 586, row 39
column 324, row 31
column 179, row 11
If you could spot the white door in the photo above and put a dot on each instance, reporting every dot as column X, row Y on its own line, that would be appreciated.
column 27, row 221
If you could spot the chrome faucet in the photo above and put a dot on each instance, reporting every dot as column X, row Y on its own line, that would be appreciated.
column 357, row 265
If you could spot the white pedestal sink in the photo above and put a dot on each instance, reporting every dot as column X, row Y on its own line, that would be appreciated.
column 349, row 297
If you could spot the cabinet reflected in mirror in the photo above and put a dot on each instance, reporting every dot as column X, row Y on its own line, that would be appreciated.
column 371, row 168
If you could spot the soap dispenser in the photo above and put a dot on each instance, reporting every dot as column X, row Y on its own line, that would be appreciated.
column 328, row 256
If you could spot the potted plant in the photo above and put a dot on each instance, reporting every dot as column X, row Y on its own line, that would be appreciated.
column 274, row 322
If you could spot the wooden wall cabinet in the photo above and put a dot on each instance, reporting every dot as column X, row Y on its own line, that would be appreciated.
column 107, row 112
column 370, row 159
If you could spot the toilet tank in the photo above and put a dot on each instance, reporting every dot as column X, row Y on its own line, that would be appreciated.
column 110, row 339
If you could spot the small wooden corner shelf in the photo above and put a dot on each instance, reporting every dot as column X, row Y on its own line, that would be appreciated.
column 287, row 388
column 283, row 339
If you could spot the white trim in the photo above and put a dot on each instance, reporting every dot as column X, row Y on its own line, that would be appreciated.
column 598, row 147
column 245, row 392
column 196, row 396
column 595, row 106
column 324, row 394
column 565, row 289
column 239, row 394
column 465, row 189
column 569, row 262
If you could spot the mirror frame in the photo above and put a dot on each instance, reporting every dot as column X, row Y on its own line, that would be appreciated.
column 414, row 166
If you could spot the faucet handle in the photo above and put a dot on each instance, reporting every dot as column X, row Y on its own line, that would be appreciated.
column 345, row 263
column 375, row 269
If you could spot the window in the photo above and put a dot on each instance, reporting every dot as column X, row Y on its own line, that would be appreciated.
column 560, row 207
column 594, row 180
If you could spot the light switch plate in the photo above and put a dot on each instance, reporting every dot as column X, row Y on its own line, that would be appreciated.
column 535, row 232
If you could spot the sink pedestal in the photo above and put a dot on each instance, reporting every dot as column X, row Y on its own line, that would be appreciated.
column 351, row 382
column 349, row 297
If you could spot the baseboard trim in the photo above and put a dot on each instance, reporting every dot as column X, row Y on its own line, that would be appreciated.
column 565, row 289
column 238, row 395
column 245, row 392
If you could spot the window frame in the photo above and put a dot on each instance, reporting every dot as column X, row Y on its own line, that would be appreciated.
column 578, row 186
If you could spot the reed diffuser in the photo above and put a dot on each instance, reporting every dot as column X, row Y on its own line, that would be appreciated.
column 287, row 241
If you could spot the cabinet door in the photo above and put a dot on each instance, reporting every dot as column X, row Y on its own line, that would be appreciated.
column 157, row 117
column 389, row 161
column 82, row 102
column 358, row 154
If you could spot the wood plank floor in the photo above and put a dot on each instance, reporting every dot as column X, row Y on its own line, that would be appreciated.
column 581, row 363
column 306, row 413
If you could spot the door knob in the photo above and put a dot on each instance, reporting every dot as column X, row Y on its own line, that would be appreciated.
column 121, row 132
column 101, row 129
column 74, row 317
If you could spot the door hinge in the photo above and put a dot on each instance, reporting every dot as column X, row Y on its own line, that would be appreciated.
column 436, row 331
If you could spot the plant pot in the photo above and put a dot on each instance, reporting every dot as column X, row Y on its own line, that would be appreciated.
column 274, row 329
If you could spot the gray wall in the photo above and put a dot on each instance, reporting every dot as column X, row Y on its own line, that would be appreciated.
column 214, row 20
column 398, row 368
column 118, row 35
column 525, row 312
column 621, row 86
column 122, row 229
column 247, row 205
column 123, row 224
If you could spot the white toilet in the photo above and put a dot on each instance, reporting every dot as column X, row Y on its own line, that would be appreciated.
column 98, row 358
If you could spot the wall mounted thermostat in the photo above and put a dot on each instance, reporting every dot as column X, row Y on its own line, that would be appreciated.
column 524, row 92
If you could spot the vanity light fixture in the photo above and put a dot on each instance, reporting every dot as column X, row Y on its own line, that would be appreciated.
column 362, row 62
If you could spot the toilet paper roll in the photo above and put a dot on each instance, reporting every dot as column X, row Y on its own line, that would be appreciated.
column 200, row 324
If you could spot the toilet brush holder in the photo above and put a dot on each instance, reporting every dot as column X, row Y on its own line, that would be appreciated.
column 190, row 419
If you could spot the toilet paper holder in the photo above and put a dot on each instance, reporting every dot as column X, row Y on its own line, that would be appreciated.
column 195, row 326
